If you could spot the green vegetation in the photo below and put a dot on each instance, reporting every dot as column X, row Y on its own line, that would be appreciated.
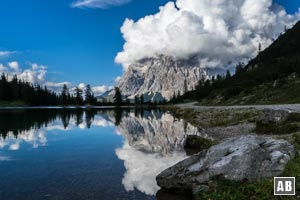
column 17, row 91
column 216, row 117
column 290, row 125
column 286, row 91
column 296, row 140
column 195, row 144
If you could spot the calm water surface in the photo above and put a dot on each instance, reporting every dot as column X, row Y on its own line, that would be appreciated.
column 71, row 154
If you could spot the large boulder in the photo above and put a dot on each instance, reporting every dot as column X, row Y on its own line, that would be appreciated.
column 246, row 158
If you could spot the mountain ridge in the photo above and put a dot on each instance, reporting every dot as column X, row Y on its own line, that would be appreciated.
column 163, row 74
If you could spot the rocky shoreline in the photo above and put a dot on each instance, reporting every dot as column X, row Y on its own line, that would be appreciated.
column 249, row 145
column 246, row 158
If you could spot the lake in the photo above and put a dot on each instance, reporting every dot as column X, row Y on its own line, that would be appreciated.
column 69, row 154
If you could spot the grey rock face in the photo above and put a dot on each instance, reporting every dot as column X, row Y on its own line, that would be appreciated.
column 162, row 75
column 250, row 158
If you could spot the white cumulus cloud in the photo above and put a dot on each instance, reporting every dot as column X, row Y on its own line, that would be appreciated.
column 2, row 68
column 101, row 89
column 81, row 86
column 216, row 32
column 14, row 65
column 57, row 85
column 103, row 4
column 35, row 74
column 6, row 53
column 97, row 90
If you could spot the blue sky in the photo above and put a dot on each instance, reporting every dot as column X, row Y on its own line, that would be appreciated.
column 76, row 44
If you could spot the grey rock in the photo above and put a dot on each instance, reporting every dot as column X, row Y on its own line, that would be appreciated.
column 250, row 158
column 273, row 116
column 163, row 75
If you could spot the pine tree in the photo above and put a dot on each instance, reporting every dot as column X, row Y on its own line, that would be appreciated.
column 239, row 67
column 78, row 96
column 65, row 95
column 228, row 75
column 142, row 99
column 89, row 95
column 15, row 88
column 185, row 86
column 136, row 100
column 259, row 48
column 117, row 97
column 2, row 86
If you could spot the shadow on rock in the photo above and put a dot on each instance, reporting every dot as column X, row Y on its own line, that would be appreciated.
column 164, row 194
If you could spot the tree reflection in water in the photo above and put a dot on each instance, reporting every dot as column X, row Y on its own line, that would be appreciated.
column 19, row 120
column 153, row 138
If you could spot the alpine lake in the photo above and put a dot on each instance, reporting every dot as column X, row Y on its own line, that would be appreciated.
column 87, row 153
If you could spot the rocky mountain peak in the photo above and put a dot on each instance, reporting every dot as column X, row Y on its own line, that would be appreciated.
column 162, row 75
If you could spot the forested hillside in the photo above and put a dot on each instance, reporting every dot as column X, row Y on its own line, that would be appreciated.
column 271, row 77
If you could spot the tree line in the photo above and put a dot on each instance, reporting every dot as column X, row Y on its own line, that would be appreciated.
column 120, row 100
column 16, row 90
column 25, row 120
column 22, row 92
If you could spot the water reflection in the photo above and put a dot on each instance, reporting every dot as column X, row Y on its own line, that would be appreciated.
column 154, row 142
column 30, row 126
column 153, row 139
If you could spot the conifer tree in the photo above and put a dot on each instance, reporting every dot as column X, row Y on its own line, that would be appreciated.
column 89, row 95
column 117, row 97
column 78, row 96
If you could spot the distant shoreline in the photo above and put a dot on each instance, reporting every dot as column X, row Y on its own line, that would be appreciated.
column 287, row 107
column 74, row 107
column 52, row 107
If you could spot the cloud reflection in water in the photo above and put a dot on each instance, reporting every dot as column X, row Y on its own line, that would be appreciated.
column 153, row 143
column 153, row 140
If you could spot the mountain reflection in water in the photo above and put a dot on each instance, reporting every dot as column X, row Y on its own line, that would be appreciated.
column 153, row 139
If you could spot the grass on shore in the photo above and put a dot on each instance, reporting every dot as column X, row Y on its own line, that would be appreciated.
column 290, row 125
column 216, row 117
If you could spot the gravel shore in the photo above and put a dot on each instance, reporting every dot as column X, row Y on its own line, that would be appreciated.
column 287, row 107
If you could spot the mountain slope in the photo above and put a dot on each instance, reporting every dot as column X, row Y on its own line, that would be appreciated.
column 271, row 77
column 282, row 57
